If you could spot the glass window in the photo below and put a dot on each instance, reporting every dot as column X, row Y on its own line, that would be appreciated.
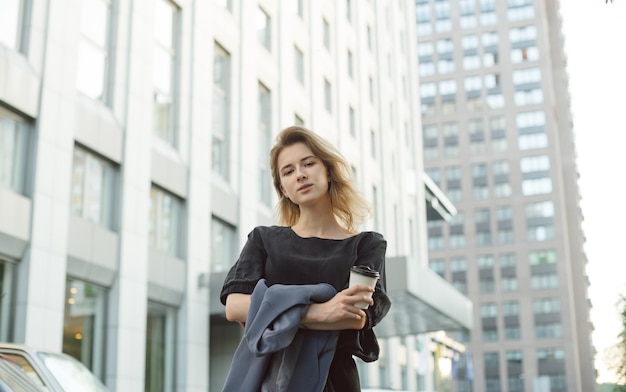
column 297, row 8
column 426, row 68
column 445, row 66
column 515, row 377
column 165, row 221
column 226, row 4
column 163, row 71
column 93, row 188
column 326, row 33
column 510, row 308
column 473, row 83
column 547, row 306
column 490, row 59
column 438, row 265
column 469, row 42
column 84, row 325
column 490, row 39
column 447, row 87
column 471, row 61
column 445, row 46
column 348, row 10
column 428, row 90
column 488, row 310
column 457, row 231
column 422, row 12
column 299, row 64
column 524, row 54
column 488, row 15
column 425, row 49
column 490, row 333
column 352, row 120
column 520, row 10
column 484, row 262
column 7, row 279
column 435, row 235
column 539, row 221
column 548, row 330
column 350, row 60
column 14, row 137
column 537, row 186
column 526, row 76
column 458, row 264
column 160, row 347
column 328, row 97
column 524, row 34
column 532, row 141
column 479, row 181
column 221, row 112
column 536, row 163
column 482, row 219
column 11, row 19
column 265, row 141
column 504, row 219
column 544, row 281
column 297, row 120
column 546, row 256
column 93, row 48
column 534, row 119
column 424, row 28
column 264, row 29
column 223, row 245
column 371, row 89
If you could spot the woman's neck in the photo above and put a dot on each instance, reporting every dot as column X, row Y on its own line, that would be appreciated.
column 322, row 224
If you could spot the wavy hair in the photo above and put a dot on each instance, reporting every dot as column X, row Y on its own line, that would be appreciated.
column 349, row 206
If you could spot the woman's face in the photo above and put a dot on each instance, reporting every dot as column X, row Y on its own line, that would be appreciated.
column 303, row 176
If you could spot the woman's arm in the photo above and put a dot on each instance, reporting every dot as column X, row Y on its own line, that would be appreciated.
column 339, row 312
column 237, row 306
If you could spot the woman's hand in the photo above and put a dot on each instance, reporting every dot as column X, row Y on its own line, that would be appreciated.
column 340, row 311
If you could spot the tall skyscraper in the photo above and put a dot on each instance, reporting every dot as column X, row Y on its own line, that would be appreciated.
column 498, row 141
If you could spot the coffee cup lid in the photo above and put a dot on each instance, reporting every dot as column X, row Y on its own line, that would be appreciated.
column 365, row 270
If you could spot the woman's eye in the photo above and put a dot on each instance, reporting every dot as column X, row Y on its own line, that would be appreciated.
column 310, row 163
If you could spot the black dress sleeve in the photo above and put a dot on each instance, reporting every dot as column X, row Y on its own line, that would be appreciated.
column 371, row 253
column 248, row 269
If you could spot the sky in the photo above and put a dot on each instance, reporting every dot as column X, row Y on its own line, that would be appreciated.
column 595, row 44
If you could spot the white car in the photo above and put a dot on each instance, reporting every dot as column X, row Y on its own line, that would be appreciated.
column 53, row 372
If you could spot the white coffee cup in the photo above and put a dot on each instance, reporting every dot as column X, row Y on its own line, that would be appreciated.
column 360, row 274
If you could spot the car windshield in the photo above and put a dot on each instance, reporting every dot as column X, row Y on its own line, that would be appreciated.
column 71, row 374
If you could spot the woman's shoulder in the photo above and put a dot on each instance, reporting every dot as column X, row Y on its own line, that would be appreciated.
column 268, row 231
column 371, row 235
column 371, row 238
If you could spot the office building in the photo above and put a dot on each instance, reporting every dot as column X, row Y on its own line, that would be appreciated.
column 135, row 139
column 498, row 140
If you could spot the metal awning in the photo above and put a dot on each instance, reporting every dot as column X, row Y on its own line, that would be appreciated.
column 422, row 301
column 438, row 206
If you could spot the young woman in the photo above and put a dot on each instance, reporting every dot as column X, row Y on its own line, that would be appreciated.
column 317, row 242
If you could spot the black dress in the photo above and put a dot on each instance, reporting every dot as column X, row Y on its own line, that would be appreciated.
column 279, row 255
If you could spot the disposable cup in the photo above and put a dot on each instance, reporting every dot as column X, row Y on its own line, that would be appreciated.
column 360, row 274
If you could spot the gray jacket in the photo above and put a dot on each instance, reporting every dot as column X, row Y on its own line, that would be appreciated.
column 275, row 354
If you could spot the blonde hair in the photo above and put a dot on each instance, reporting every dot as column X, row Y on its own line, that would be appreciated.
column 348, row 205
